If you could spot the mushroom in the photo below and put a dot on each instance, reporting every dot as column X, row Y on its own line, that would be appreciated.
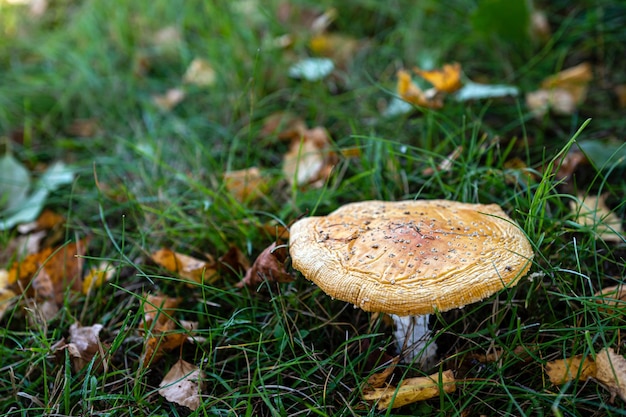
column 411, row 258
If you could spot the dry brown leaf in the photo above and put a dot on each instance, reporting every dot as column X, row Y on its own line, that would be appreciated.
column 84, row 344
column 163, row 333
column 170, row 99
column 446, row 79
column 309, row 160
column 612, row 297
column 593, row 212
column 520, row 352
column 201, row 73
column 579, row 367
column 183, row 385
column 85, row 128
column 234, row 262
column 558, row 100
column 539, row 26
column 246, row 184
column 620, row 92
column 561, row 92
column 193, row 270
column 285, row 125
column 446, row 164
column 412, row 390
column 611, row 372
column 168, row 37
column 46, row 275
column 268, row 266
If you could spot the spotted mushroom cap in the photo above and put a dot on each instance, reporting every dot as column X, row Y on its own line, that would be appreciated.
column 411, row 257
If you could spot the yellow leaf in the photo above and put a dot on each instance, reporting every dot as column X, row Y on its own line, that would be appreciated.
column 97, row 276
column 579, row 367
column 412, row 390
column 411, row 93
column 340, row 48
column 446, row 79
column 193, row 270
column 6, row 295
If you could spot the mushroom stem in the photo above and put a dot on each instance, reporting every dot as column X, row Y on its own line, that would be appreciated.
column 414, row 340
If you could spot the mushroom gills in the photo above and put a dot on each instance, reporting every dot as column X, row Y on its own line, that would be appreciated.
column 413, row 338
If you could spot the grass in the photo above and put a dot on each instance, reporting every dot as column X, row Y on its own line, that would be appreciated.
column 150, row 178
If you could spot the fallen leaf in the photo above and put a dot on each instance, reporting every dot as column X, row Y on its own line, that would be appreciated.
column 169, row 100
column 562, row 92
column 15, row 183
column 558, row 100
column 311, row 69
column 193, row 270
column 283, row 124
column 539, row 26
column 611, row 372
column 162, row 332
column 183, row 384
column 579, row 367
column 592, row 211
column 46, row 275
column 201, row 73
column 521, row 353
column 47, row 220
column 97, row 276
column 446, row 79
column 446, row 164
column 246, row 184
column 84, row 344
column 411, row 93
column 340, row 48
column 7, row 296
column 378, row 379
column 477, row 91
column 571, row 79
column 612, row 297
column 268, row 266
column 412, row 390
column 85, row 128
column 234, row 262
column 620, row 92
column 309, row 160
column 168, row 38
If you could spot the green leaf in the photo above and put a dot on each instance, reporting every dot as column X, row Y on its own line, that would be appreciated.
column 508, row 20
column 14, row 183
column 602, row 154
column 28, row 207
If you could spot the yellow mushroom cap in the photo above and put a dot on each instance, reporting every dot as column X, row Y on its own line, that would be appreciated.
column 411, row 257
